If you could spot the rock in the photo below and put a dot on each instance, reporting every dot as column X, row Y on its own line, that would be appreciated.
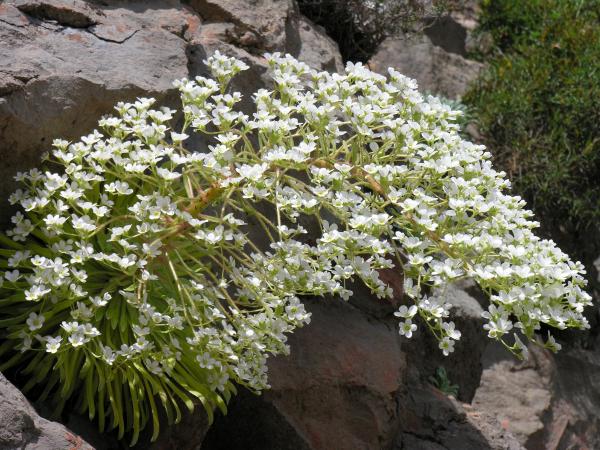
column 448, row 33
column 432, row 421
column 69, row 77
column 315, row 48
column 337, row 388
column 266, row 20
column 436, row 70
column 64, row 64
column 548, row 402
column 455, row 30
column 22, row 428
column 520, row 395
column 75, row 14
column 466, row 314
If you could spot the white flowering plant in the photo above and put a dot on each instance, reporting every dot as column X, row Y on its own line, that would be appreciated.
column 159, row 266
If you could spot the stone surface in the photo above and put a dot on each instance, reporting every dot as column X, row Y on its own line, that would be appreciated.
column 520, row 393
column 463, row 366
column 22, row 428
column 432, row 421
column 437, row 57
column 547, row 402
column 436, row 70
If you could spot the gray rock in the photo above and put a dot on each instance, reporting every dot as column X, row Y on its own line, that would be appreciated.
column 436, row 70
column 263, row 23
column 455, row 30
column 519, row 394
column 22, row 428
column 67, row 77
column 317, row 49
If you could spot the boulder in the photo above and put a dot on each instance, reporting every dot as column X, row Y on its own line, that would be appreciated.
column 436, row 70
column 455, row 30
column 22, row 428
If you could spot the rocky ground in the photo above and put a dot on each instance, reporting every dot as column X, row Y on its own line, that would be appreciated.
column 351, row 382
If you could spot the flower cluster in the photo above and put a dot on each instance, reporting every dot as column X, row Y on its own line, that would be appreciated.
column 142, row 271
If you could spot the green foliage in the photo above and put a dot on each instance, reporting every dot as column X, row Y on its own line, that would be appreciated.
column 538, row 106
column 440, row 380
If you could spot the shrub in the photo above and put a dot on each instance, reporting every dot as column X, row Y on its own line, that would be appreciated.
column 538, row 106
column 141, row 274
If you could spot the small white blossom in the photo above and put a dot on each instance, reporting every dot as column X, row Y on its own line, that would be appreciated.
column 35, row 321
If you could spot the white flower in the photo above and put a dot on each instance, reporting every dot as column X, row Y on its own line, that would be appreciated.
column 552, row 344
column 521, row 349
column 83, row 223
column 18, row 258
column 77, row 339
column 167, row 174
column 407, row 328
column 118, row 187
column 406, row 312
column 36, row 292
column 53, row 343
column 12, row 276
column 451, row 331
column 139, row 331
column 70, row 327
column 108, row 355
column 153, row 366
column 35, row 321
column 54, row 220
column 252, row 172
column 100, row 301
column 446, row 346
column 178, row 137
column 497, row 328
